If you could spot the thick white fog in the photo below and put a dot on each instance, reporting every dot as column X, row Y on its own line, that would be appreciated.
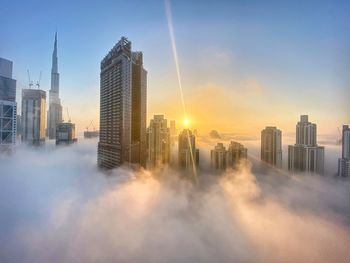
column 55, row 206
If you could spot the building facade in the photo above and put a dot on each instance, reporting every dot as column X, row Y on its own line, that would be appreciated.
column 123, row 86
column 139, row 110
column 306, row 155
column 158, row 142
column 19, row 126
column 271, row 146
column 344, row 161
column 173, row 135
column 8, row 107
column 236, row 153
column 91, row 134
column 33, row 116
column 65, row 133
column 172, row 128
column 218, row 157
column 188, row 155
column 54, row 114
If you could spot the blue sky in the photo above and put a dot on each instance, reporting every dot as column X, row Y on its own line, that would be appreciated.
column 260, row 58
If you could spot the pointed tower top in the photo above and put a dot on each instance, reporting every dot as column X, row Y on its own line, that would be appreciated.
column 54, row 68
column 55, row 45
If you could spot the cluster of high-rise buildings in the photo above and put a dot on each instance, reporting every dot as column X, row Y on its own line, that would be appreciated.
column 222, row 158
column 124, row 137
column 304, row 156
column 33, row 127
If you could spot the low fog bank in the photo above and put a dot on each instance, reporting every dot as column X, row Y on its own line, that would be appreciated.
column 55, row 206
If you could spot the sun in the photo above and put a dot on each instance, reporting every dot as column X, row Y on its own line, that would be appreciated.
column 186, row 122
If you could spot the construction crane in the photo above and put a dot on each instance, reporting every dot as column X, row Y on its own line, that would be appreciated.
column 91, row 124
column 30, row 82
column 91, row 134
column 38, row 82
column 339, row 141
column 68, row 115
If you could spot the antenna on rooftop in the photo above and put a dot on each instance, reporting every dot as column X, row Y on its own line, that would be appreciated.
column 30, row 82
column 68, row 115
column 38, row 82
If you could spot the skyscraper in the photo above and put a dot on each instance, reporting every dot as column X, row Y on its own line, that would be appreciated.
column 236, row 152
column 172, row 128
column 218, row 157
column 344, row 162
column 306, row 132
column 8, row 107
column 33, row 116
column 188, row 154
column 123, row 85
column 158, row 142
column 271, row 146
column 139, row 110
column 306, row 155
column 173, row 135
column 54, row 114
column 19, row 126
column 65, row 133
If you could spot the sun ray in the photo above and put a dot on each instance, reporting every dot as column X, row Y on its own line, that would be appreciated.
column 174, row 49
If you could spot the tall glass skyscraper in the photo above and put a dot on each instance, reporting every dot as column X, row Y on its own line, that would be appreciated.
column 139, row 110
column 306, row 155
column 188, row 154
column 33, row 116
column 8, row 107
column 158, row 135
column 344, row 162
column 123, row 87
column 271, row 146
column 54, row 114
column 218, row 157
column 236, row 153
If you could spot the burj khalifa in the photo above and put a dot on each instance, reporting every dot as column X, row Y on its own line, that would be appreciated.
column 54, row 115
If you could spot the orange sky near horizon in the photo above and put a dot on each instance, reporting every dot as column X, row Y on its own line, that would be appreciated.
column 214, row 107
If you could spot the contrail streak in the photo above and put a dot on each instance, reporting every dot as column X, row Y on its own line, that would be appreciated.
column 174, row 49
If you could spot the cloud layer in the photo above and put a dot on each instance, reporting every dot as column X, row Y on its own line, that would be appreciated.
column 55, row 206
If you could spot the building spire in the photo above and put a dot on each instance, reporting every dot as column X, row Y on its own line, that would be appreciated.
column 54, row 115
column 54, row 68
